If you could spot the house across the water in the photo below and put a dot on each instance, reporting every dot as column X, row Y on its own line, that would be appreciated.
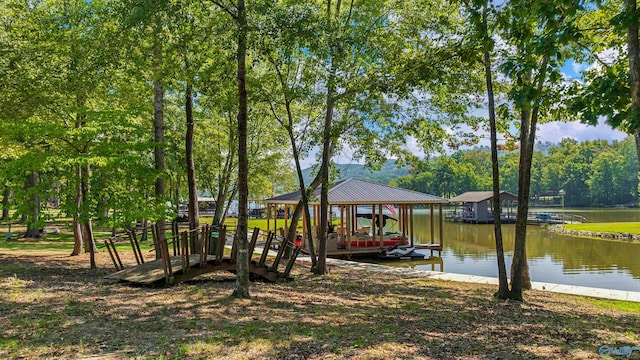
column 367, row 218
column 477, row 207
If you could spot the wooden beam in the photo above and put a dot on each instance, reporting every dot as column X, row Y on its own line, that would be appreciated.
column 276, row 261
column 304, row 228
column 286, row 216
column 381, row 225
column 432, row 225
column 373, row 223
column 265, row 251
column 403, row 217
column 184, row 242
column 291, row 262
column 254, row 240
column 411, row 221
column 269, row 206
column 350, row 224
column 441, row 225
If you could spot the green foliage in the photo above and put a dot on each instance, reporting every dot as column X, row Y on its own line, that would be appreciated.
column 592, row 173
column 392, row 69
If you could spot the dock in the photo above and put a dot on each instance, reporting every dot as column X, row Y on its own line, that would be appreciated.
column 200, row 252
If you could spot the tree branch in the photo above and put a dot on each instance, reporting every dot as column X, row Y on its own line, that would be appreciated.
column 595, row 56
column 226, row 9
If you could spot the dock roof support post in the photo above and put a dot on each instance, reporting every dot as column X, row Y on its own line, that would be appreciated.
column 304, row 227
column 286, row 216
column 441, row 225
column 275, row 217
column 411, row 222
column 432, row 229
column 269, row 205
column 403, row 211
column 354, row 219
column 350, row 223
column 381, row 225
column 373, row 223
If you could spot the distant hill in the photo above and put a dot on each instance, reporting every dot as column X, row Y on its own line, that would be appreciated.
column 388, row 172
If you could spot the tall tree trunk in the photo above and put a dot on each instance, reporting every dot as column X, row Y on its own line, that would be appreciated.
column 6, row 194
column 241, row 289
column 503, row 286
column 87, row 230
column 90, row 242
column 224, row 180
column 519, row 259
column 158, row 133
column 77, row 227
column 32, row 223
column 194, row 221
column 520, row 279
column 303, row 204
column 321, row 267
column 633, row 50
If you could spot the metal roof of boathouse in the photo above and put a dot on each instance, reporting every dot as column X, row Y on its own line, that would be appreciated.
column 357, row 191
column 478, row 196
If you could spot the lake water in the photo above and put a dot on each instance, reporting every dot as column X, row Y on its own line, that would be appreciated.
column 553, row 258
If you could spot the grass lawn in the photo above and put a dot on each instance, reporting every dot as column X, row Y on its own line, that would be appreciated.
column 53, row 306
column 616, row 227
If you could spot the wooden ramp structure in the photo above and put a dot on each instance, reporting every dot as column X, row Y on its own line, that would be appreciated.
column 199, row 252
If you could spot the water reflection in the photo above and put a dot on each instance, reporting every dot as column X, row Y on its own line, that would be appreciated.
column 470, row 249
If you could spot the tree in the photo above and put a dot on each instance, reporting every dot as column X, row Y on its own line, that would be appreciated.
column 239, row 16
column 540, row 33
column 479, row 15
column 617, row 76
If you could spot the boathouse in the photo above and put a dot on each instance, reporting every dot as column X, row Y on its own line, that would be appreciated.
column 366, row 217
column 477, row 207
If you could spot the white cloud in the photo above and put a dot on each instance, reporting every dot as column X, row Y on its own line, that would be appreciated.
column 412, row 145
column 578, row 68
column 556, row 131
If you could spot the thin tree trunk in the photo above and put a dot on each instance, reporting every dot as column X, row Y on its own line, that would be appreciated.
column 87, row 230
column 241, row 289
column 77, row 235
column 145, row 229
column 5, row 202
column 303, row 204
column 224, row 179
column 503, row 286
column 158, row 134
column 32, row 222
column 88, row 236
column 194, row 221
column 77, row 227
column 321, row 267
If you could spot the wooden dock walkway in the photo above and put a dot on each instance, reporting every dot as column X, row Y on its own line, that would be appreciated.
column 153, row 271
column 198, row 253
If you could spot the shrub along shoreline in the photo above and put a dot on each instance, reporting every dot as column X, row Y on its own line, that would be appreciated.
column 628, row 232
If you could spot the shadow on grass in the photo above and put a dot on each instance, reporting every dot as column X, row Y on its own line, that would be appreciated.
column 54, row 308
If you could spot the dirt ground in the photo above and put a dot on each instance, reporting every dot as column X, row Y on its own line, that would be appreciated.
column 54, row 306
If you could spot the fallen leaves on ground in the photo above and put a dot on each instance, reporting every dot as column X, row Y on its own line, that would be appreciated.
column 53, row 306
